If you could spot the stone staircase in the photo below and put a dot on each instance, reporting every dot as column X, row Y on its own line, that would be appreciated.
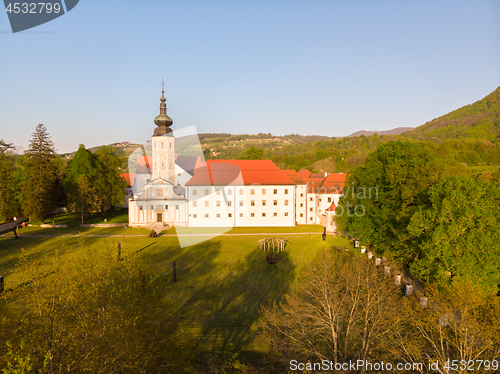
column 158, row 227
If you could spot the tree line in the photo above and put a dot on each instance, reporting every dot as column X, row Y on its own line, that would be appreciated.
column 37, row 182
column 444, row 228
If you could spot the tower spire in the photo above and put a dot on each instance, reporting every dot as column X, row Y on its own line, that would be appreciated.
column 163, row 121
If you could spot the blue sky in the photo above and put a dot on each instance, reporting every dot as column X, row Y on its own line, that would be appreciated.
column 93, row 76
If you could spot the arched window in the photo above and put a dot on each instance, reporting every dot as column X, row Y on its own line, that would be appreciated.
column 170, row 145
column 162, row 144
column 162, row 165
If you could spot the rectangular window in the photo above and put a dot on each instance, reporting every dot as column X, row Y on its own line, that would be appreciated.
column 140, row 207
column 301, row 205
column 229, row 203
column 329, row 199
column 252, row 191
column 263, row 202
column 217, row 191
column 275, row 214
column 263, row 214
column 241, row 202
column 301, row 195
column 252, row 214
column 241, row 214
column 263, row 191
column 229, row 192
column 252, row 202
column 229, row 215
column 310, row 199
column 286, row 191
column 206, row 215
column 217, row 203
column 218, row 215
column 195, row 215
column 195, row 192
column 302, row 215
column 310, row 209
column 207, row 192
column 275, row 191
column 286, row 214
column 310, row 218
column 241, row 191
column 206, row 204
column 286, row 202
column 275, row 202
column 152, row 208
column 195, row 204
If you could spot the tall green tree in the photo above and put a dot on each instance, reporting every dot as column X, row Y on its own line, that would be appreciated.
column 382, row 195
column 43, row 188
column 109, row 185
column 83, row 197
column 9, row 205
column 458, row 235
column 82, row 163
column 79, row 182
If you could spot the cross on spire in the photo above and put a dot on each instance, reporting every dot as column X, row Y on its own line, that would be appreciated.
column 162, row 85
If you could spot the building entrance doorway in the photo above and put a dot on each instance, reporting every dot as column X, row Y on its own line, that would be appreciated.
column 158, row 217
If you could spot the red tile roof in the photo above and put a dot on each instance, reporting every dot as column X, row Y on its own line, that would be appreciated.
column 129, row 177
column 334, row 183
column 313, row 184
column 331, row 208
column 304, row 173
column 294, row 176
column 239, row 172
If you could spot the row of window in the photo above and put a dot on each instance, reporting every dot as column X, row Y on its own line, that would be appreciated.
column 163, row 145
column 230, row 215
column 241, row 191
column 162, row 165
column 160, row 207
column 230, row 203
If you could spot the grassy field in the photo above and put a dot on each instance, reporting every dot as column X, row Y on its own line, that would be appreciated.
column 221, row 283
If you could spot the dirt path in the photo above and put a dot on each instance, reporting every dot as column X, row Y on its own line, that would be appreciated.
column 146, row 235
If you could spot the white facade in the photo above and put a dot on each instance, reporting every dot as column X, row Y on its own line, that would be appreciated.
column 241, row 206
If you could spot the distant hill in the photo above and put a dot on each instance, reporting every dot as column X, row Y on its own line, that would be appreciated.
column 480, row 120
column 123, row 148
column 396, row 131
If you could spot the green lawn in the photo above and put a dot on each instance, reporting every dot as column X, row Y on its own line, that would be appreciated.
column 221, row 282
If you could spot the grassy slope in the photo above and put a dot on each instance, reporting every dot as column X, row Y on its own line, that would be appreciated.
column 480, row 120
column 221, row 282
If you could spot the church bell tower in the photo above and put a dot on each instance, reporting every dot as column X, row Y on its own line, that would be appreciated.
column 163, row 143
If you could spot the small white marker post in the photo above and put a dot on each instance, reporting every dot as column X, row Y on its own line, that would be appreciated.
column 409, row 289
column 397, row 279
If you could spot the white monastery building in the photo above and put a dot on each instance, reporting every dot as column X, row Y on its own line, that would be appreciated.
column 183, row 191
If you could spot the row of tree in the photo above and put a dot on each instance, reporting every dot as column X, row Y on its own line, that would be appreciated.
column 404, row 203
column 37, row 182
column 348, row 311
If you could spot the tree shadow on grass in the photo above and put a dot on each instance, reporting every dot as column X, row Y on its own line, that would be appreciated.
column 221, row 293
